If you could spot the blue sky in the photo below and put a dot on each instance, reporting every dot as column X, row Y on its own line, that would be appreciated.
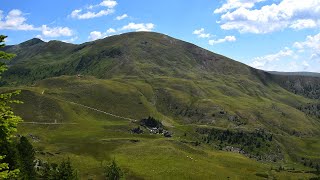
column 281, row 35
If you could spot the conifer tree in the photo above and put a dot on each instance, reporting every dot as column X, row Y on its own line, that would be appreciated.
column 66, row 171
column 26, row 159
column 113, row 171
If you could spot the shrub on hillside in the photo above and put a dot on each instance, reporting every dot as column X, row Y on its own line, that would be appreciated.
column 151, row 122
column 113, row 171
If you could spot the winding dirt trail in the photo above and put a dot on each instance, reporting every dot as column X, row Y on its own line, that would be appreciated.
column 84, row 106
column 78, row 104
column 45, row 123
column 98, row 110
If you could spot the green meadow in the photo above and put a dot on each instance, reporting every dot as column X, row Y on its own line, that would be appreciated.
column 91, row 138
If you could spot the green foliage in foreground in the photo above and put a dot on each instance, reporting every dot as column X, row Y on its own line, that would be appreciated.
column 17, row 160
column 8, row 120
column 63, row 171
column 113, row 171
column 27, row 158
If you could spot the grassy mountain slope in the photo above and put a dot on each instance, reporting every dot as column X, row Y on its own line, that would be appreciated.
column 131, row 54
column 198, row 95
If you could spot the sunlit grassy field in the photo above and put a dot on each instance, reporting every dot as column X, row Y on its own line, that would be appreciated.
column 91, row 139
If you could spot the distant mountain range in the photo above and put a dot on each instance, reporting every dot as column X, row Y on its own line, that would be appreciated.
column 311, row 74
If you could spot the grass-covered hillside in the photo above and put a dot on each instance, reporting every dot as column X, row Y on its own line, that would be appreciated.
column 215, row 118
column 133, row 54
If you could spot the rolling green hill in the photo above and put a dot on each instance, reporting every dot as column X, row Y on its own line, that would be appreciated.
column 226, row 119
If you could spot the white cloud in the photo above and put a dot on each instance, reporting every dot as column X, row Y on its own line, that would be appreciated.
column 303, row 24
column 94, row 35
column 312, row 42
column 42, row 38
column 15, row 20
column 56, row 31
column 46, row 39
column 204, row 35
column 293, row 14
column 71, row 40
column 311, row 45
column 121, row 17
column 305, row 65
column 108, row 3
column 303, row 56
column 111, row 30
column 198, row 31
column 201, row 34
column 138, row 27
column 267, row 62
column 89, row 13
column 233, row 4
column 225, row 39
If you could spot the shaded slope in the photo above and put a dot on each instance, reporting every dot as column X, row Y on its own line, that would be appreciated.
column 307, row 86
